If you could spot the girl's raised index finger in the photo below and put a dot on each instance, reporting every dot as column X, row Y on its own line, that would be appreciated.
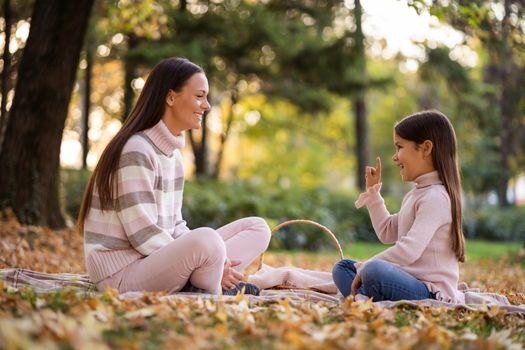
column 378, row 165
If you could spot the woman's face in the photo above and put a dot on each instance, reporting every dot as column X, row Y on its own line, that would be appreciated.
column 185, row 109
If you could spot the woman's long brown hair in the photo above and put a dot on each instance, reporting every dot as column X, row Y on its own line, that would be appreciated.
column 169, row 74
column 435, row 126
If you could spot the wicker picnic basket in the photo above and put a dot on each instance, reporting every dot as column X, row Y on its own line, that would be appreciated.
column 310, row 222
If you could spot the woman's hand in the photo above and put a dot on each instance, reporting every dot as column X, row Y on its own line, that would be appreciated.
column 230, row 277
column 373, row 175
column 356, row 284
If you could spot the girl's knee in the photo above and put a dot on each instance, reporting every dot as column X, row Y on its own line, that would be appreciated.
column 343, row 273
column 338, row 272
column 374, row 271
column 343, row 266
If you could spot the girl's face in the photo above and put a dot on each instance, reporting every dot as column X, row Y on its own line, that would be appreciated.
column 412, row 159
column 185, row 109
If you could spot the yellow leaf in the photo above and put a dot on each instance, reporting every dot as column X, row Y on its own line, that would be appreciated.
column 93, row 303
column 221, row 316
column 377, row 324
column 144, row 312
column 221, row 329
column 294, row 338
column 493, row 311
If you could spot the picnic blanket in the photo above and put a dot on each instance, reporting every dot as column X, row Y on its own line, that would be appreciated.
column 290, row 277
column 293, row 295
column 43, row 282
column 299, row 280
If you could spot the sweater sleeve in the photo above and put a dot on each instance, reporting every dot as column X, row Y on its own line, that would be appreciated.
column 429, row 217
column 136, row 205
column 180, row 224
column 384, row 223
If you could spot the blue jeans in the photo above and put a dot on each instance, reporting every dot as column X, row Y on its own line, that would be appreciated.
column 380, row 281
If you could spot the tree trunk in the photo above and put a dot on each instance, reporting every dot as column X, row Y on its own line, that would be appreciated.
column 183, row 5
column 6, row 70
column 224, row 137
column 129, row 74
column 506, row 140
column 200, row 149
column 31, row 153
column 506, row 109
column 86, row 104
column 361, row 127
column 361, row 140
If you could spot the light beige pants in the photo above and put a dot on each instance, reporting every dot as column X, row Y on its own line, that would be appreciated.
column 197, row 256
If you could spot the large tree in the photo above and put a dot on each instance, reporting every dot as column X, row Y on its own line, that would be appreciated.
column 14, row 13
column 30, row 155
column 361, row 124
column 6, row 67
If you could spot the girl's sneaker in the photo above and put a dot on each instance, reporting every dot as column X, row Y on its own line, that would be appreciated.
column 190, row 288
column 249, row 288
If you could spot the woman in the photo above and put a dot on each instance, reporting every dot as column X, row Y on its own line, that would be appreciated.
column 135, row 236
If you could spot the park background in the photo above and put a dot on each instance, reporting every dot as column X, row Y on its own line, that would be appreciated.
column 304, row 94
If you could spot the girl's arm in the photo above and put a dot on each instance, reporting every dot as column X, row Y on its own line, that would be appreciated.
column 385, row 225
column 432, row 212
column 136, row 205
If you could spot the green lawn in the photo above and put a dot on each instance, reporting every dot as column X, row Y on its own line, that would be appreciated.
column 476, row 249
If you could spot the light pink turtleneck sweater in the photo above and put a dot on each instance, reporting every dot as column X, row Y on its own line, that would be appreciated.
column 421, row 233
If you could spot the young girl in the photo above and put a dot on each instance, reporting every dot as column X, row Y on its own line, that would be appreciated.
column 427, row 232
column 135, row 236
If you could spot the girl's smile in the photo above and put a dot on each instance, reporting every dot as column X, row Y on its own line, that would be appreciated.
column 412, row 159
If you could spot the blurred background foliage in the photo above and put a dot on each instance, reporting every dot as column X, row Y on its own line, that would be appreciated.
column 286, row 79
column 211, row 203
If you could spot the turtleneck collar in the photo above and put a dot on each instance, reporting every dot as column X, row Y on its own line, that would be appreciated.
column 428, row 179
column 162, row 137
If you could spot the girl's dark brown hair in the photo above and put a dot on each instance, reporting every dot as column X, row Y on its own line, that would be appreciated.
column 169, row 74
column 435, row 126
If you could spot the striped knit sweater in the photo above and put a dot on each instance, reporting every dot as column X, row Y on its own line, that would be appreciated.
column 147, row 213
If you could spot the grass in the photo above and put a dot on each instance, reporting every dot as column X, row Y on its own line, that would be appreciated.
column 476, row 250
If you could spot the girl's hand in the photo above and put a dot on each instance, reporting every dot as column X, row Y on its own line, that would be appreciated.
column 373, row 175
column 230, row 277
column 356, row 284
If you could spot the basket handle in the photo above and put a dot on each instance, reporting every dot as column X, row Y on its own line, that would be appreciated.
column 289, row 222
